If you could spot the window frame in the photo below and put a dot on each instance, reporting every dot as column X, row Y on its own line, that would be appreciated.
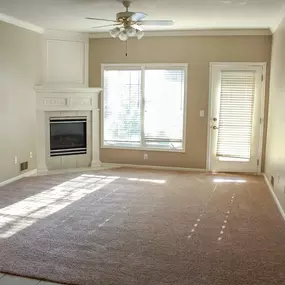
column 142, row 67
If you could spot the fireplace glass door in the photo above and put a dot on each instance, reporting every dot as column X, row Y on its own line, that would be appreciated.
column 67, row 136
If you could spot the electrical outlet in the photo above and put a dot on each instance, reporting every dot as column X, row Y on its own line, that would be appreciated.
column 31, row 154
column 278, row 177
column 15, row 159
column 145, row 156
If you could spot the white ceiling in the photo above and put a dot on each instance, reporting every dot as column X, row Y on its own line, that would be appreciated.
column 187, row 14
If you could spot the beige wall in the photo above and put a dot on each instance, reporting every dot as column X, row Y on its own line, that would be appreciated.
column 275, row 154
column 197, row 52
column 20, row 70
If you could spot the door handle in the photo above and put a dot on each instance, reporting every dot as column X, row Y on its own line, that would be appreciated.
column 215, row 128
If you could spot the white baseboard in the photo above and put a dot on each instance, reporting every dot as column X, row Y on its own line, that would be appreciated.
column 73, row 170
column 25, row 174
column 118, row 165
column 274, row 196
column 105, row 166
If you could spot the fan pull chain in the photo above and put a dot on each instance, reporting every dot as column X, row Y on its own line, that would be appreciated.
column 126, row 47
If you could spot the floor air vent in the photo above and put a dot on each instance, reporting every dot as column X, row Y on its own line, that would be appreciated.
column 24, row 166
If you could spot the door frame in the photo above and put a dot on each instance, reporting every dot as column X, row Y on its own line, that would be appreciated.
column 263, row 65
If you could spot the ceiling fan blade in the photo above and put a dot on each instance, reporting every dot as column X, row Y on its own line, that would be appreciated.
column 157, row 22
column 138, row 27
column 137, row 16
column 111, row 25
column 99, row 19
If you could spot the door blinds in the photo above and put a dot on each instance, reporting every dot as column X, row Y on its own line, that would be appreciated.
column 236, row 114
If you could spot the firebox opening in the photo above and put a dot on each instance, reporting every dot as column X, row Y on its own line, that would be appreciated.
column 68, row 136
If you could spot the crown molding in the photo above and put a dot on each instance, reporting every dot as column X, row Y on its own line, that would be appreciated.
column 66, row 35
column 189, row 33
column 19, row 23
column 279, row 19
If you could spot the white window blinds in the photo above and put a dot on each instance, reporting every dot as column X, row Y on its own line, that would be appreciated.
column 144, row 107
column 164, row 97
column 236, row 114
column 122, row 111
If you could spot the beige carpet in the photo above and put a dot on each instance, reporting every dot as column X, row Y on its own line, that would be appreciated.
column 142, row 227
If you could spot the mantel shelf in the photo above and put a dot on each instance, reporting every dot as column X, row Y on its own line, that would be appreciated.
column 47, row 89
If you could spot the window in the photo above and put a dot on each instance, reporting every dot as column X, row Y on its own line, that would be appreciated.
column 144, row 106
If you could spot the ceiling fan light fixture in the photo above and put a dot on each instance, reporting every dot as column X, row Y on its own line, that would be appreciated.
column 131, row 31
column 115, row 32
column 139, row 34
column 123, row 36
column 129, row 24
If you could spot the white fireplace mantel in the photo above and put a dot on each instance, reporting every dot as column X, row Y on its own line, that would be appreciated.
column 53, row 89
column 51, row 99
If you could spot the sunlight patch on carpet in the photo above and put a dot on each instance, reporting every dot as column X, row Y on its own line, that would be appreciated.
column 158, row 181
column 24, row 213
column 228, row 180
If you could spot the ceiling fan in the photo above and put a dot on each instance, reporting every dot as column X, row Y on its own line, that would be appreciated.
column 129, row 24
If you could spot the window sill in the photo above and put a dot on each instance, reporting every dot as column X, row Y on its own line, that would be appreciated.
column 143, row 148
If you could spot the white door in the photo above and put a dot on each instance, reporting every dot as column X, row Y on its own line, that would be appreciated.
column 235, row 117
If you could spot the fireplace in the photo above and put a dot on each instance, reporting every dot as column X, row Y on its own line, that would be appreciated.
column 68, row 136
column 58, row 146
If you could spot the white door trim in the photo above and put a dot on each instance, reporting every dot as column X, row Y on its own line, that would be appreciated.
column 262, row 106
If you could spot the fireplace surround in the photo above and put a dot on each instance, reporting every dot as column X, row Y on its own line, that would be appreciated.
column 58, row 106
